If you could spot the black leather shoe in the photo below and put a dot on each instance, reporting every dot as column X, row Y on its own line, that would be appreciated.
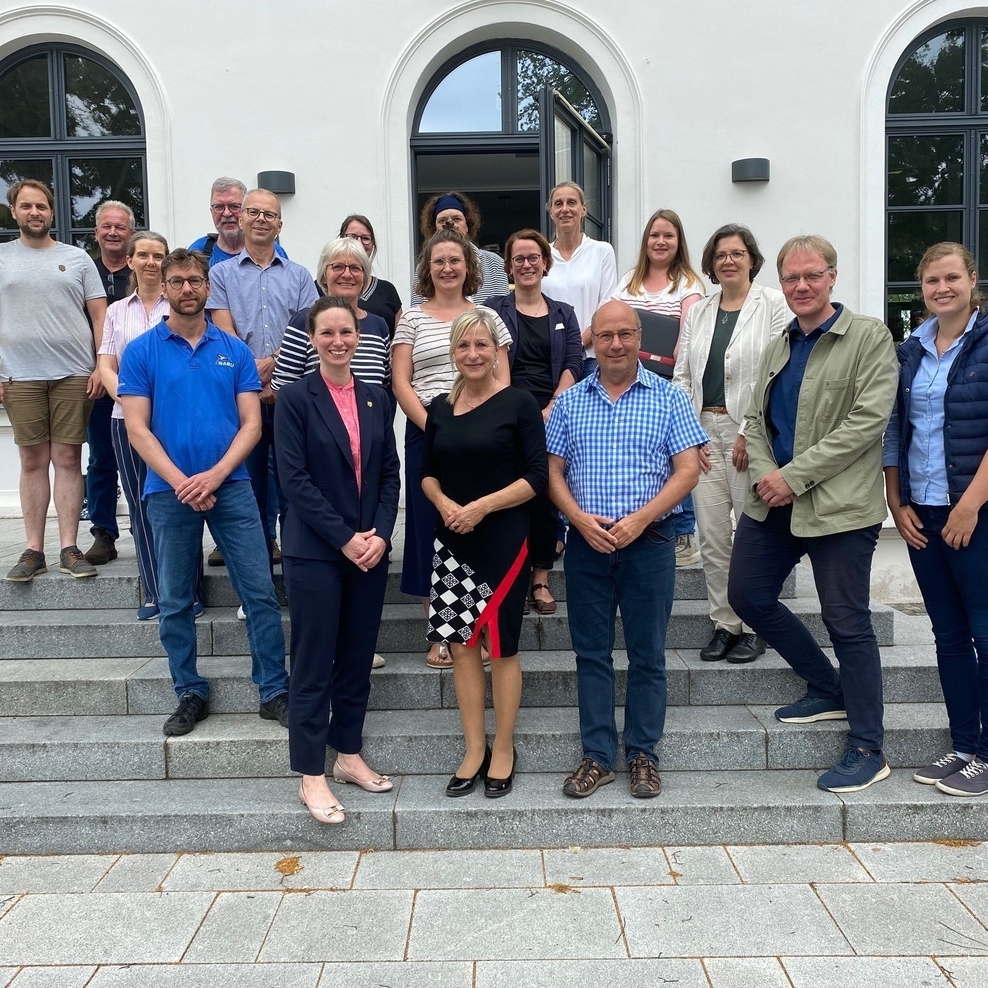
column 463, row 787
column 104, row 549
column 191, row 709
column 275, row 709
column 721, row 643
column 747, row 649
column 494, row 788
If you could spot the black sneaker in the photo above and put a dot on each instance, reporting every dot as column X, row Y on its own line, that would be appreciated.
column 747, row 649
column 30, row 564
column 940, row 769
column 103, row 550
column 275, row 709
column 191, row 709
column 720, row 644
column 971, row 780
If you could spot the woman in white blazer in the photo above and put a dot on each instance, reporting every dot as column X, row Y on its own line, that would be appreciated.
column 720, row 348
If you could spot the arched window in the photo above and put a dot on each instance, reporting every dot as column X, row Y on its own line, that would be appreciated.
column 69, row 118
column 937, row 159
column 504, row 121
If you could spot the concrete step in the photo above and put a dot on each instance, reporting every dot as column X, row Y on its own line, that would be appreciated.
column 115, row 632
column 413, row 742
column 142, row 685
column 741, row 807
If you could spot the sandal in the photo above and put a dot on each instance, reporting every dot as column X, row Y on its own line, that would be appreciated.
column 645, row 781
column 443, row 658
column 586, row 779
column 542, row 606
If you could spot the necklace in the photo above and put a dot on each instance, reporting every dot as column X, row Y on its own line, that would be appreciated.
column 538, row 309
column 725, row 314
column 479, row 403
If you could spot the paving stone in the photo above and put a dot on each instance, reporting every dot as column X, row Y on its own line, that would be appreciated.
column 864, row 972
column 930, row 861
column 70, row 686
column 137, row 873
column 406, row 974
column 7, row 975
column 55, row 977
column 116, row 928
column 340, row 926
column 975, row 897
column 209, row 976
column 892, row 920
column 229, row 746
column 449, row 869
column 41, row 873
column 745, row 972
column 701, row 866
column 260, row 871
column 234, row 928
column 7, row 902
column 48, row 749
column 607, row 866
column 966, row 972
column 457, row 924
column 797, row 863
column 626, row 973
column 687, row 922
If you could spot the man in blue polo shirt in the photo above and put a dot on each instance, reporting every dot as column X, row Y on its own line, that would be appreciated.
column 623, row 453
column 189, row 395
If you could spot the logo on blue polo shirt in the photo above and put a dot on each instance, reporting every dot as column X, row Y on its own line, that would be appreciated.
column 224, row 361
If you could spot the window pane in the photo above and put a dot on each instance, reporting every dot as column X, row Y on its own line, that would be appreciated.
column 905, row 313
column 91, row 180
column 12, row 170
column 983, row 243
column 983, row 182
column 910, row 233
column 468, row 100
column 984, row 69
column 564, row 152
column 96, row 102
column 591, row 179
column 534, row 73
column 932, row 78
column 24, row 104
column 926, row 171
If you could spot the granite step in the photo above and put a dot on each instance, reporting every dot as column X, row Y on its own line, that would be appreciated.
column 115, row 632
column 741, row 807
column 414, row 742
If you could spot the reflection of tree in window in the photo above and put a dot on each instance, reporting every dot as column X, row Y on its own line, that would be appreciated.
column 534, row 73
column 932, row 78
column 24, row 109
column 96, row 179
column 97, row 104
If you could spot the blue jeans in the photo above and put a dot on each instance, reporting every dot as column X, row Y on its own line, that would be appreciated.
column 101, row 472
column 639, row 579
column 953, row 585
column 262, row 466
column 763, row 556
column 236, row 527
column 685, row 521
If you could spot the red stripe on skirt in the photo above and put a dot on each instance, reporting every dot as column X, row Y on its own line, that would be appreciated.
column 489, row 617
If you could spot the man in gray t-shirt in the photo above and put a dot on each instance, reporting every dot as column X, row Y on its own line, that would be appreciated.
column 48, row 375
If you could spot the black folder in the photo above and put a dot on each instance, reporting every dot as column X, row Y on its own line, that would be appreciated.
column 659, row 337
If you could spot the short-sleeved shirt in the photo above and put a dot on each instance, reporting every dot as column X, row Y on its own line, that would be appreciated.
column 219, row 254
column 668, row 302
column 44, row 330
column 262, row 300
column 115, row 283
column 619, row 453
column 194, row 413
column 433, row 372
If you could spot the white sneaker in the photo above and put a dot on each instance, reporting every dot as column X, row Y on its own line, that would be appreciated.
column 240, row 613
column 687, row 551
column 378, row 662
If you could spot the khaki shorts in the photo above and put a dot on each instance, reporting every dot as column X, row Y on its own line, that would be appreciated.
column 48, row 411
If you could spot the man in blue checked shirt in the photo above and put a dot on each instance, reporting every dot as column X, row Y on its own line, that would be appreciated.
column 623, row 453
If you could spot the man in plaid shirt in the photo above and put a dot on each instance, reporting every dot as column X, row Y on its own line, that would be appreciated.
column 623, row 453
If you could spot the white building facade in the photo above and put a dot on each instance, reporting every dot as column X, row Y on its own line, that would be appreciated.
column 868, row 113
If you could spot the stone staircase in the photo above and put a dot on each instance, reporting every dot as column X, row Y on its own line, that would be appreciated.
column 84, row 766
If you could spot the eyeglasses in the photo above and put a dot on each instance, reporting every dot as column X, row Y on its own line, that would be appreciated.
column 532, row 259
column 811, row 278
column 110, row 287
column 440, row 262
column 269, row 214
column 364, row 238
column 221, row 207
column 177, row 284
column 340, row 268
column 606, row 339
column 735, row 255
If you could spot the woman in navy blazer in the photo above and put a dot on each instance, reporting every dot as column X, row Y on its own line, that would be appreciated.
column 546, row 358
column 339, row 468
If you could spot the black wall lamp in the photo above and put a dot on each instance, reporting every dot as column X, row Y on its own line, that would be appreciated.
column 750, row 170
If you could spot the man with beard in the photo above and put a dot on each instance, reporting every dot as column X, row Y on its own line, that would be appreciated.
column 190, row 400
column 48, row 376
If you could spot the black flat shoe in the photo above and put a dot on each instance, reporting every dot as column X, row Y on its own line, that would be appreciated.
column 720, row 645
column 463, row 787
column 494, row 788
column 748, row 648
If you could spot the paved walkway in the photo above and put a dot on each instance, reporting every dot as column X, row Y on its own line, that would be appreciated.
column 903, row 915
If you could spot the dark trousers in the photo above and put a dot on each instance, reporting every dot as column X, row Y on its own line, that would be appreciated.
column 101, row 472
column 953, row 583
column 420, row 520
column 764, row 554
column 335, row 611
column 261, row 466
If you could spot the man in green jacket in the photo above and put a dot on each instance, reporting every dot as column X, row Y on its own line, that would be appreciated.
column 814, row 432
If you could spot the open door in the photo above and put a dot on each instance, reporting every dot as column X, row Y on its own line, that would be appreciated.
column 571, row 150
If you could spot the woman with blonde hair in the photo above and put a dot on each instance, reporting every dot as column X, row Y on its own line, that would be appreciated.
column 484, row 458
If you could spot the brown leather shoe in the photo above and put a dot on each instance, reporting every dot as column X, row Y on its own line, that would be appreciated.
column 586, row 779
column 215, row 558
column 645, row 781
column 275, row 552
column 103, row 550
column 542, row 606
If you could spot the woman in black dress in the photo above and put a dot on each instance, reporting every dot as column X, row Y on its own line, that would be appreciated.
column 484, row 458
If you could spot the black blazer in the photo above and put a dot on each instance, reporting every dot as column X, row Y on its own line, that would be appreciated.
column 315, row 468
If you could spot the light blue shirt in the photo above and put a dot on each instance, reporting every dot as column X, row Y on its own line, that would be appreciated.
column 619, row 453
column 927, row 455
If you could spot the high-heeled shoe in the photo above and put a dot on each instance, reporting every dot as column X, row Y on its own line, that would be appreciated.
column 495, row 788
column 463, row 787
column 382, row 783
column 329, row 814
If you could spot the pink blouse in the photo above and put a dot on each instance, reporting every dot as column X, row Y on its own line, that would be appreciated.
column 345, row 399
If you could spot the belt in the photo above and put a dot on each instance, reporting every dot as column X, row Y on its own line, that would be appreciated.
column 716, row 409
